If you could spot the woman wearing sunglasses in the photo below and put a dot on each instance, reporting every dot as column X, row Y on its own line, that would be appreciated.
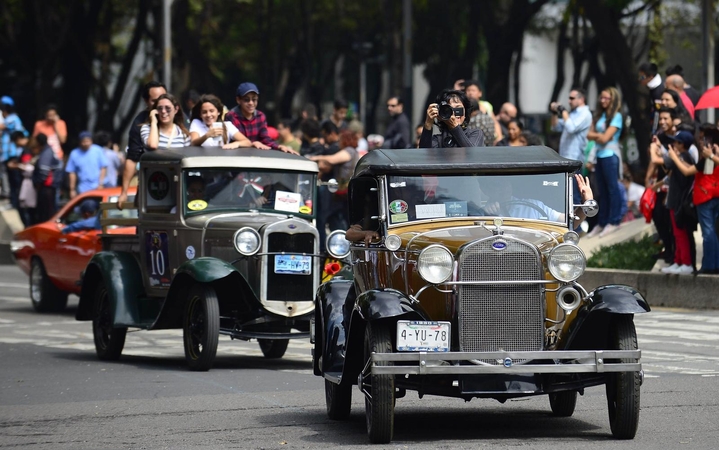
column 166, row 128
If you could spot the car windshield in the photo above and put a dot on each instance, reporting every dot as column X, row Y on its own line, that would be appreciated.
column 210, row 190
column 538, row 197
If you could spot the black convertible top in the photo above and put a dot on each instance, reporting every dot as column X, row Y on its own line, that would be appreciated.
column 422, row 161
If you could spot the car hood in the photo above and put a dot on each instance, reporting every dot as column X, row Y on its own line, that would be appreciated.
column 455, row 237
column 234, row 221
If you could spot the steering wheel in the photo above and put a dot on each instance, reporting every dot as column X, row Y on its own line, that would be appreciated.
column 542, row 213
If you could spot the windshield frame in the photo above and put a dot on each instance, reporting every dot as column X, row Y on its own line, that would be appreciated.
column 563, row 179
column 210, row 209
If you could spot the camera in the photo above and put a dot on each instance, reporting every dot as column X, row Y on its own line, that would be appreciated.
column 446, row 111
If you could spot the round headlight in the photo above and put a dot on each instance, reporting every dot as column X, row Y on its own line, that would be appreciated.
column 337, row 246
column 435, row 264
column 247, row 241
column 393, row 242
column 571, row 237
column 567, row 262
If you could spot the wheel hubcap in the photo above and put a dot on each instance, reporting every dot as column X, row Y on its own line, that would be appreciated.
column 35, row 283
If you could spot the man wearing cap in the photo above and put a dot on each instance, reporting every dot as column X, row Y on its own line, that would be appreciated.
column 90, row 218
column 86, row 167
column 251, row 121
column 11, row 123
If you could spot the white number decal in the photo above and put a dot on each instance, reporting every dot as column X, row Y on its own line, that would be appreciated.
column 157, row 259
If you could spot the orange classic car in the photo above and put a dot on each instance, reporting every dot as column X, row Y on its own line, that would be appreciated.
column 55, row 261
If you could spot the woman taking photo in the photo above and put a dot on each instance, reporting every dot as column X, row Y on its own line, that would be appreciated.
column 453, row 129
column 605, row 131
column 166, row 128
column 207, row 130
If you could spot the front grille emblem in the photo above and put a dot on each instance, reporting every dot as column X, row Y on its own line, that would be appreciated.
column 507, row 362
column 292, row 226
column 499, row 245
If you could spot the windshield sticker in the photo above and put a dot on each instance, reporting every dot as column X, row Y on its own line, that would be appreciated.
column 197, row 205
column 550, row 183
column 398, row 184
column 397, row 218
column 305, row 210
column 456, row 209
column 430, row 211
column 398, row 206
column 190, row 252
column 288, row 201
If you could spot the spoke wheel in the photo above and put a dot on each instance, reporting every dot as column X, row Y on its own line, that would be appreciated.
column 623, row 387
column 339, row 400
column 563, row 403
column 45, row 297
column 109, row 341
column 273, row 348
column 379, row 404
column 201, row 327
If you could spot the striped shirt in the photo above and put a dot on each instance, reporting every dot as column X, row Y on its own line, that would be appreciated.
column 178, row 139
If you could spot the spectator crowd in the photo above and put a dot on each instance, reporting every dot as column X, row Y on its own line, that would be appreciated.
column 680, row 188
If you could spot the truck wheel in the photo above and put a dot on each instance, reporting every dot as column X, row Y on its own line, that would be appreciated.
column 273, row 348
column 379, row 405
column 623, row 387
column 339, row 400
column 45, row 297
column 109, row 341
column 201, row 327
column 563, row 403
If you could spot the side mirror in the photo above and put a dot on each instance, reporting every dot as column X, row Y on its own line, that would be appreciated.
column 332, row 185
column 590, row 208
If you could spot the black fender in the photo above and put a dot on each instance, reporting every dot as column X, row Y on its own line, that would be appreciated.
column 381, row 305
column 231, row 287
column 123, row 277
column 331, row 320
column 588, row 331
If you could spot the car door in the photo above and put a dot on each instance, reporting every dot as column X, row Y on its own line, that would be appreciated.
column 76, row 248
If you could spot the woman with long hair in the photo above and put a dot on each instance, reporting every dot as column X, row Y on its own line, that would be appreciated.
column 670, row 99
column 607, row 158
column 207, row 128
column 166, row 128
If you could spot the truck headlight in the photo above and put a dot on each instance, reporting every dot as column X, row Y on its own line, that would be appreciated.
column 337, row 246
column 435, row 264
column 566, row 262
column 247, row 241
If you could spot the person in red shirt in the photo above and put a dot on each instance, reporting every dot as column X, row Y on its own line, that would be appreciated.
column 251, row 121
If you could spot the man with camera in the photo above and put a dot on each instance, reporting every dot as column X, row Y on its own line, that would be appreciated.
column 573, row 124
column 451, row 115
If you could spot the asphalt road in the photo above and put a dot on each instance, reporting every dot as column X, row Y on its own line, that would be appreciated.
column 54, row 393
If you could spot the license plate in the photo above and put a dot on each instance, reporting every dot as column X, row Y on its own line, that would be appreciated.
column 422, row 336
column 293, row 264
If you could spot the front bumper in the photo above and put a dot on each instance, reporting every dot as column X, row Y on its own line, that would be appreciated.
column 473, row 363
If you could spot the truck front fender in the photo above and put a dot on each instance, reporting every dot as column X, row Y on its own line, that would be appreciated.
column 227, row 280
column 588, row 331
column 122, row 276
column 333, row 306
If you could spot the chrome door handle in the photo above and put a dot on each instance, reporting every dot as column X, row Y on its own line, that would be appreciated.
column 62, row 240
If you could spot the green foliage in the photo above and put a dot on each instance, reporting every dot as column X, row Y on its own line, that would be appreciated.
column 629, row 255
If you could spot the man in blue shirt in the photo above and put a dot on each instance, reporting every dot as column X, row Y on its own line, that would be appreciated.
column 87, row 166
column 10, row 123
column 90, row 218
column 573, row 124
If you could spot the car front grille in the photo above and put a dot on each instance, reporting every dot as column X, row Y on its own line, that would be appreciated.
column 500, row 317
column 289, row 287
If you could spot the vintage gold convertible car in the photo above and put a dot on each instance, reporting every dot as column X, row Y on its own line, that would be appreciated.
column 472, row 290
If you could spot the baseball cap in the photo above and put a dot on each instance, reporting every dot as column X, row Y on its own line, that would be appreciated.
column 246, row 87
column 684, row 137
column 85, row 134
column 88, row 206
column 5, row 100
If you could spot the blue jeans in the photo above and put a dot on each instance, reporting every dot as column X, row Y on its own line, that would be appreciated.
column 610, row 199
column 707, row 213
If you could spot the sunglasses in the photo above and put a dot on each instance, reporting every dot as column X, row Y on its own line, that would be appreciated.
column 165, row 108
column 572, row 98
column 389, row 105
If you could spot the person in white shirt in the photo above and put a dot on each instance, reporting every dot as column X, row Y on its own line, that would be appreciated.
column 207, row 131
